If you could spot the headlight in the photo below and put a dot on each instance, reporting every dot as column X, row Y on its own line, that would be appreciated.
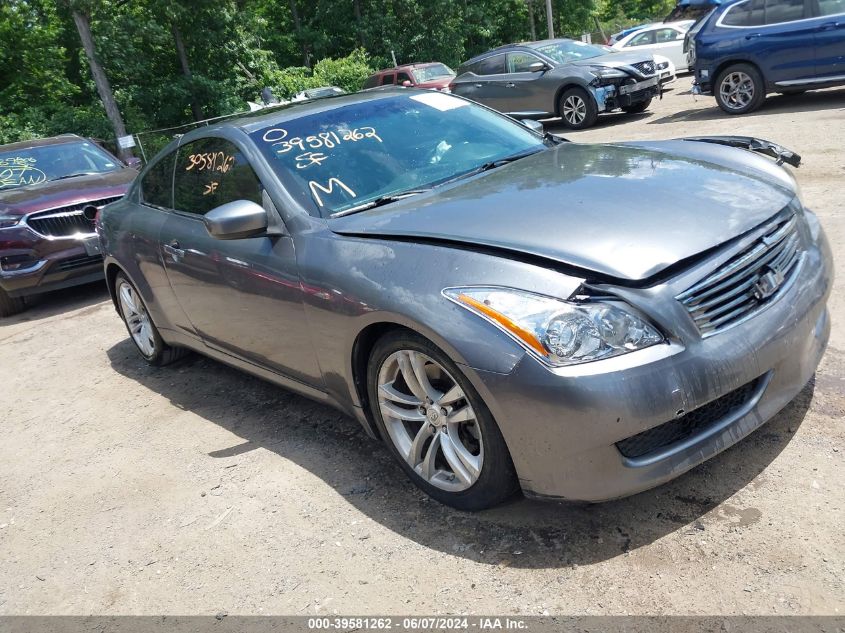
column 662, row 65
column 7, row 221
column 559, row 332
column 604, row 72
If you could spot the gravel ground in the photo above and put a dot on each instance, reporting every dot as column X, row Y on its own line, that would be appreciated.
column 195, row 489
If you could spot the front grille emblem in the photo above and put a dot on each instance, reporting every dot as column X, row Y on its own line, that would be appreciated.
column 768, row 284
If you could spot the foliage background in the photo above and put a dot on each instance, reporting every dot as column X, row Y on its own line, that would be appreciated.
column 236, row 47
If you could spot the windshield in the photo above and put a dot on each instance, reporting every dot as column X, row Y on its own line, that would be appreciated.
column 427, row 73
column 33, row 165
column 351, row 155
column 573, row 51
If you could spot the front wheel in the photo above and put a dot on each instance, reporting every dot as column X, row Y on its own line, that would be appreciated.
column 577, row 109
column 739, row 89
column 636, row 108
column 10, row 305
column 436, row 424
column 140, row 326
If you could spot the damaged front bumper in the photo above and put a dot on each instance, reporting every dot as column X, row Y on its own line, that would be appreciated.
column 612, row 96
column 583, row 432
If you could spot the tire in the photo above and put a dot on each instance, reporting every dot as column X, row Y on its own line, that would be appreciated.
column 577, row 109
column 142, row 330
column 10, row 305
column 739, row 89
column 636, row 108
column 460, row 458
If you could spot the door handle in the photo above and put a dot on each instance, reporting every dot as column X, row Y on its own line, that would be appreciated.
column 174, row 251
column 831, row 25
column 510, row 84
column 479, row 85
column 753, row 36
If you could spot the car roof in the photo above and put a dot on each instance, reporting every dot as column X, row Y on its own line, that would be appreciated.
column 41, row 142
column 410, row 66
column 275, row 115
column 514, row 46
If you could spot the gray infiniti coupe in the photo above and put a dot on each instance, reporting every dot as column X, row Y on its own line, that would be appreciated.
column 505, row 311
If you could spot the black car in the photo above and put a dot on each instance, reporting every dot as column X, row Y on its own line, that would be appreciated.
column 566, row 78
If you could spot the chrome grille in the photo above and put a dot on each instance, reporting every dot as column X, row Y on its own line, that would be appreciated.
column 644, row 68
column 65, row 221
column 746, row 282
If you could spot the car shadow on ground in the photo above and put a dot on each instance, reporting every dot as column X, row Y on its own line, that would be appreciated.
column 50, row 304
column 774, row 104
column 556, row 126
column 520, row 533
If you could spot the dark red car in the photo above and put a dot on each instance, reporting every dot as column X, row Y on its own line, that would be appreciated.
column 432, row 75
column 46, row 243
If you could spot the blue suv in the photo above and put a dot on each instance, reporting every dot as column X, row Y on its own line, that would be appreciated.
column 747, row 48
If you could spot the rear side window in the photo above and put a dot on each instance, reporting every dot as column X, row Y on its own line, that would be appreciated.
column 831, row 7
column 494, row 65
column 157, row 183
column 211, row 172
column 748, row 13
column 387, row 79
column 642, row 39
column 372, row 82
column 778, row 11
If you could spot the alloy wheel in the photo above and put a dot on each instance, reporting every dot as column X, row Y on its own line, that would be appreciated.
column 430, row 421
column 574, row 110
column 137, row 319
column 736, row 90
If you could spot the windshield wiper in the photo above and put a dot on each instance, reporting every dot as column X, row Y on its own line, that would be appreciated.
column 81, row 173
column 379, row 202
column 493, row 164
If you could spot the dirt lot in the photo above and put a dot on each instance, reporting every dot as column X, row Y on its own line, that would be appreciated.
column 196, row 489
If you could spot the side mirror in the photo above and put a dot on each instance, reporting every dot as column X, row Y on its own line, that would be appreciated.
column 134, row 162
column 531, row 124
column 537, row 67
column 236, row 220
column 407, row 84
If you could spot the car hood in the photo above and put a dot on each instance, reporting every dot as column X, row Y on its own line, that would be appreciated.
column 60, row 193
column 623, row 211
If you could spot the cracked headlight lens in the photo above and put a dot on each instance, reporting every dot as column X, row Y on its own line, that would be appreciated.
column 559, row 332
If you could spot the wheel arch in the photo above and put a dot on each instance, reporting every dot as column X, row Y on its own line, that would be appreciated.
column 733, row 61
column 566, row 86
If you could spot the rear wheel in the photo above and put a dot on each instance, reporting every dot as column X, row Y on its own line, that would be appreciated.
column 739, row 89
column 636, row 108
column 10, row 305
column 436, row 424
column 140, row 326
column 577, row 109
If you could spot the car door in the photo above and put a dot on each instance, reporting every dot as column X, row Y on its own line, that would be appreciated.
column 830, row 38
column 484, row 82
column 783, row 44
column 522, row 91
column 242, row 296
column 140, row 238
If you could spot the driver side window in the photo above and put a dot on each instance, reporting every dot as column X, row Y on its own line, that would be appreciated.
column 211, row 172
column 520, row 62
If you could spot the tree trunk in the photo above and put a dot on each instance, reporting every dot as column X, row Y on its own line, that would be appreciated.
column 83, row 25
column 297, row 24
column 356, row 8
column 196, row 108
column 530, row 4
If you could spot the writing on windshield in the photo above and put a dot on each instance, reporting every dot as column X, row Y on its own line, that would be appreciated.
column 16, row 171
